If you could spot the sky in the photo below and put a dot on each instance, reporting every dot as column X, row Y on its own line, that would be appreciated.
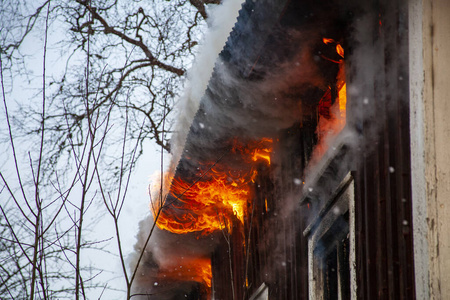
column 136, row 208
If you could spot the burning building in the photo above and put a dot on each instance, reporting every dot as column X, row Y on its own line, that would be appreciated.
column 315, row 166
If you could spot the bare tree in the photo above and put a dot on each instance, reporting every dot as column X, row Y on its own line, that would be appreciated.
column 157, row 39
column 13, row 273
column 74, row 143
column 28, row 229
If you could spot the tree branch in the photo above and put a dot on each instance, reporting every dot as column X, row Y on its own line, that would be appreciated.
column 110, row 30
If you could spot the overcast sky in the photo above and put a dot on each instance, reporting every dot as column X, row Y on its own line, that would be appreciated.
column 25, row 90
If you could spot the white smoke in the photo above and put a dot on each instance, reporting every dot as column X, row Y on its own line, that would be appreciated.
column 221, row 21
column 165, row 249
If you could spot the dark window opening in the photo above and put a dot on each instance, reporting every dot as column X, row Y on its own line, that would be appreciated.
column 331, row 276
column 332, row 259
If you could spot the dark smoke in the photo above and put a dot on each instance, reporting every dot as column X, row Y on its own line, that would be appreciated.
column 249, row 96
column 168, row 252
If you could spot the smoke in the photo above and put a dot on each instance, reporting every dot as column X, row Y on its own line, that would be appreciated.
column 251, row 96
column 248, row 97
column 374, row 94
column 221, row 20
column 239, row 98
column 168, row 267
column 248, row 109
column 160, row 273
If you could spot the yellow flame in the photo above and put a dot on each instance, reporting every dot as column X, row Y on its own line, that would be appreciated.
column 340, row 50
column 222, row 196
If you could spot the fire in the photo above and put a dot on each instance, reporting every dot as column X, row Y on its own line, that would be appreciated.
column 205, row 204
column 332, row 116
column 327, row 41
column 340, row 50
column 216, row 199
column 198, row 270
column 263, row 153
column 342, row 100
column 254, row 151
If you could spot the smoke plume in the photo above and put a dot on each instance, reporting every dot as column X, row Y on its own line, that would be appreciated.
column 160, row 273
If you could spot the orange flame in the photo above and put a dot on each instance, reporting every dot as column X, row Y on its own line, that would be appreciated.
column 327, row 41
column 332, row 118
column 339, row 48
column 257, row 150
column 263, row 154
column 198, row 270
column 214, row 201
column 205, row 202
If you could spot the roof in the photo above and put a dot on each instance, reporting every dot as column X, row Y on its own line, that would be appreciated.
column 264, row 80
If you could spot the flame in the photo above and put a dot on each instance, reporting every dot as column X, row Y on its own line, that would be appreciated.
column 342, row 100
column 340, row 50
column 332, row 117
column 198, row 270
column 217, row 199
column 213, row 202
column 257, row 151
column 263, row 154
column 205, row 204
column 327, row 41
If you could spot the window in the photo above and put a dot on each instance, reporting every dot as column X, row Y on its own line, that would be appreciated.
column 331, row 247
